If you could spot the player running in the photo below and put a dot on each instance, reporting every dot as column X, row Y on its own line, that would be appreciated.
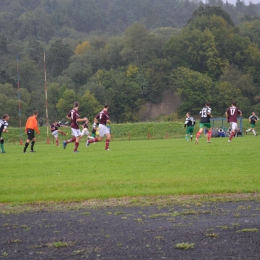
column 205, row 115
column 103, row 118
column 30, row 127
column 252, row 119
column 3, row 128
column 231, row 114
column 74, row 118
column 55, row 131
column 189, row 125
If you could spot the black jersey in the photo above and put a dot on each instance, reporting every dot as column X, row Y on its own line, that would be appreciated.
column 3, row 125
column 190, row 121
column 253, row 119
column 204, row 117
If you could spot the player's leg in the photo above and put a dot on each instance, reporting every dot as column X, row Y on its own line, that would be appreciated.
column 63, row 133
column 191, row 132
column 233, row 131
column 253, row 130
column 30, row 135
column 102, row 133
column 187, row 134
column 77, row 135
column 71, row 140
column 108, row 137
column 2, row 145
column 199, row 133
column 209, row 134
column 32, row 144
column 248, row 130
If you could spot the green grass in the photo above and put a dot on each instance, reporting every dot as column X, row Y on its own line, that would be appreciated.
column 131, row 168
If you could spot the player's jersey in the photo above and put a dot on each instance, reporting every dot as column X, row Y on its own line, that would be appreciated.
column 253, row 119
column 233, row 113
column 73, row 114
column 94, row 126
column 3, row 125
column 190, row 121
column 103, row 117
column 204, row 117
column 54, row 127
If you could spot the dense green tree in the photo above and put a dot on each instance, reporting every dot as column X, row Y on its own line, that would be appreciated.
column 58, row 57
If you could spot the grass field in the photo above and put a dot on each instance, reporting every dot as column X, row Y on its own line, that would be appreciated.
column 131, row 168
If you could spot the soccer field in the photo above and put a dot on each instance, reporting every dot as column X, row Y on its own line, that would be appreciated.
column 131, row 168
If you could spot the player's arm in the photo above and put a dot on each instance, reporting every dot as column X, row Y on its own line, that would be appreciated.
column 81, row 119
column 226, row 114
column 5, row 130
column 36, row 126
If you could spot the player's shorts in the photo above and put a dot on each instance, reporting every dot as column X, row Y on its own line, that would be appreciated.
column 233, row 125
column 55, row 133
column 189, row 130
column 208, row 125
column 252, row 125
column 85, row 132
column 103, row 130
column 30, row 134
column 76, row 132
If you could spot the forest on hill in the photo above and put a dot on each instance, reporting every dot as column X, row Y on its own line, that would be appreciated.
column 127, row 53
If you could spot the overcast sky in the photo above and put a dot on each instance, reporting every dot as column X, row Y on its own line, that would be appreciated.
column 246, row 1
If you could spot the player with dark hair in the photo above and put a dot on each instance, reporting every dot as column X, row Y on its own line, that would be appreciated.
column 30, row 127
column 55, row 131
column 205, row 115
column 252, row 119
column 103, row 118
column 189, row 125
column 74, row 118
column 3, row 128
column 231, row 114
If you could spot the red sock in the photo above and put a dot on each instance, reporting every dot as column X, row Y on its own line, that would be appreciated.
column 94, row 140
column 76, row 146
column 107, row 143
column 72, row 140
column 57, row 142
column 231, row 136
column 198, row 135
column 209, row 134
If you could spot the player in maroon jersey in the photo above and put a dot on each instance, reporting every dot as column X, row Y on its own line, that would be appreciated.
column 55, row 131
column 231, row 114
column 103, row 118
column 74, row 118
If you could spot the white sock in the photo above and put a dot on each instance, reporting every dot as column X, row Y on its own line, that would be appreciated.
column 248, row 130
column 254, row 132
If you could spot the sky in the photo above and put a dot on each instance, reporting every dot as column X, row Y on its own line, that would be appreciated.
column 246, row 1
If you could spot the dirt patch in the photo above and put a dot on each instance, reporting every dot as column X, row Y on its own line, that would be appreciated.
column 186, row 230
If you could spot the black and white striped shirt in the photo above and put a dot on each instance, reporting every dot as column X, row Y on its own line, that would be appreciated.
column 190, row 121
column 3, row 125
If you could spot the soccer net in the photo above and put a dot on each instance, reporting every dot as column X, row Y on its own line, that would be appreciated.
column 219, row 124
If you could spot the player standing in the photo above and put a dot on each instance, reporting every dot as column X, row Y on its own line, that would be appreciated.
column 54, row 131
column 252, row 119
column 205, row 115
column 30, row 127
column 74, row 118
column 103, row 119
column 3, row 128
column 189, row 125
column 231, row 114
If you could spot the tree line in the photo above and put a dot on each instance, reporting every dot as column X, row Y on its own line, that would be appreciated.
column 127, row 53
